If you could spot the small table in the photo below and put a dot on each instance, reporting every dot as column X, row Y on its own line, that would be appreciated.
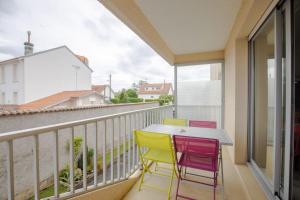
column 219, row 134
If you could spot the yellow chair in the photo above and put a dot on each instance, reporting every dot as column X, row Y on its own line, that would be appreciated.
column 155, row 147
column 175, row 122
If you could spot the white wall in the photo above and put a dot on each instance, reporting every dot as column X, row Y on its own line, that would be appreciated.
column 86, row 100
column 149, row 96
column 52, row 72
column 13, row 82
column 107, row 90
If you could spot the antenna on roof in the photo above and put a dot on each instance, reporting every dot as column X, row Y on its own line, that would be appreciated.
column 28, row 36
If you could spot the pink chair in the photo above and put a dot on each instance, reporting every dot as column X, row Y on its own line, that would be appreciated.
column 203, row 124
column 197, row 153
column 208, row 124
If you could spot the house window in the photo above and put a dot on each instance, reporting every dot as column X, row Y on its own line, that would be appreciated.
column 15, row 73
column 2, row 98
column 2, row 74
column 15, row 97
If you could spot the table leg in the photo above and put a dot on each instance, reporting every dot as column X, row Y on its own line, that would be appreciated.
column 222, row 172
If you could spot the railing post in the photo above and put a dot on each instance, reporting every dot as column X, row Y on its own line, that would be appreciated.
column 96, row 155
column 36, row 167
column 84, row 157
column 55, row 160
column 137, row 128
column 112, row 152
column 133, row 142
column 10, row 171
column 124, row 149
column 71, row 160
column 129, row 146
column 104, row 153
column 118, row 148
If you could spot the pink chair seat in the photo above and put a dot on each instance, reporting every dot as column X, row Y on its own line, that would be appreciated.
column 193, row 160
column 202, row 124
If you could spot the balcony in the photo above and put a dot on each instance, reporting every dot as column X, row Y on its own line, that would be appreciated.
column 109, row 166
column 117, row 168
column 110, row 157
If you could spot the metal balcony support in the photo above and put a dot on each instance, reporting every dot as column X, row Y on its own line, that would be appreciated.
column 104, row 152
column 10, row 170
column 175, row 98
column 55, row 166
column 71, row 160
column 84, row 153
column 95, row 156
column 36, row 170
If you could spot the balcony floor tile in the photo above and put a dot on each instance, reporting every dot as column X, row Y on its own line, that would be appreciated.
column 234, row 189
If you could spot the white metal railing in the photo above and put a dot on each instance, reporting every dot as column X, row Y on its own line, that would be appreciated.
column 121, row 124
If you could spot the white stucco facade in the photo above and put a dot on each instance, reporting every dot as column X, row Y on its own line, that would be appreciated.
column 149, row 96
column 88, row 100
column 106, row 92
column 12, row 82
column 42, row 74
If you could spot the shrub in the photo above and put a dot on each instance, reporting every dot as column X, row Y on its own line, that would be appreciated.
column 115, row 101
column 134, row 100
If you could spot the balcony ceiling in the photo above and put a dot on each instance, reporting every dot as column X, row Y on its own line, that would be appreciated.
column 191, row 26
column 179, row 30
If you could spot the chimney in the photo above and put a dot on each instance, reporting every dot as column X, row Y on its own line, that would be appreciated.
column 28, row 47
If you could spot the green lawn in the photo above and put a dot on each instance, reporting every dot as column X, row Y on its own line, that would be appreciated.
column 50, row 191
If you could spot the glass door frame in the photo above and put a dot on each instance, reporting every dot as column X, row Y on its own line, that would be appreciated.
column 175, row 96
column 274, row 189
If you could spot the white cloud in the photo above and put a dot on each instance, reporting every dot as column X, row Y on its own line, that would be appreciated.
column 88, row 29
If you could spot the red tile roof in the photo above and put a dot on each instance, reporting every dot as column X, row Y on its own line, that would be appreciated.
column 83, row 59
column 46, row 110
column 99, row 88
column 54, row 99
column 162, row 88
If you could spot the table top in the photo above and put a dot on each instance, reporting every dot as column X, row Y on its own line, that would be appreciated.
column 219, row 134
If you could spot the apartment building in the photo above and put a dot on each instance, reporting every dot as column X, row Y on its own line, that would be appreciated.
column 37, row 75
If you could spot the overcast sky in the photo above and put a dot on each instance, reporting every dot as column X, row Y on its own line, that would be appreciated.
column 88, row 29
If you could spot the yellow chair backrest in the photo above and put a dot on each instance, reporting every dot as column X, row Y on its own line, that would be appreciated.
column 175, row 122
column 151, row 140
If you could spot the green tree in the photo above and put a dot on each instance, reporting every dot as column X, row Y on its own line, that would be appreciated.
column 131, row 93
column 165, row 99
column 123, row 98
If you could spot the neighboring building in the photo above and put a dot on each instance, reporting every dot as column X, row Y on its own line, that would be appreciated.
column 66, row 99
column 104, row 90
column 37, row 75
column 154, row 90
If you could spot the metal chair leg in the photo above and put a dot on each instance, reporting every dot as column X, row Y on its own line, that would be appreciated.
column 171, row 183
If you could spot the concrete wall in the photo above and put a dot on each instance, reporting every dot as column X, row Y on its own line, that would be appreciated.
column 23, row 148
column 236, row 76
column 54, row 72
column 12, row 82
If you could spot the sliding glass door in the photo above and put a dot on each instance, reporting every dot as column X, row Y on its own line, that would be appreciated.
column 270, row 107
column 264, row 99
